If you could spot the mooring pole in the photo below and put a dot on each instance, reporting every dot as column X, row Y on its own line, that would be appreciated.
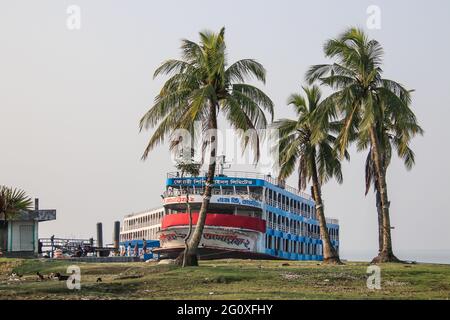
column 99, row 237
column 116, row 236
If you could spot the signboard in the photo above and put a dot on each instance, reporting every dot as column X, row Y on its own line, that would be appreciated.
column 238, row 200
column 212, row 238
column 218, row 181
column 223, row 199
column 180, row 199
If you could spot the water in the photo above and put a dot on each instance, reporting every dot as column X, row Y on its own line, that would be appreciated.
column 428, row 256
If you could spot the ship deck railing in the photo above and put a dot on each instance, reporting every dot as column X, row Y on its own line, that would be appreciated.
column 296, row 231
column 199, row 191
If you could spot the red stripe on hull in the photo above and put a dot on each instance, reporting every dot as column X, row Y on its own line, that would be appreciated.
column 219, row 220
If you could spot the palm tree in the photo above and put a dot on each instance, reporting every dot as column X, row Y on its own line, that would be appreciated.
column 201, row 85
column 12, row 202
column 391, row 135
column 317, row 161
column 364, row 98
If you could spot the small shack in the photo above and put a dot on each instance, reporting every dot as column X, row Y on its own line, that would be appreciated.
column 19, row 235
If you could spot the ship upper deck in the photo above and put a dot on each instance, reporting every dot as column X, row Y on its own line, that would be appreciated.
column 236, row 178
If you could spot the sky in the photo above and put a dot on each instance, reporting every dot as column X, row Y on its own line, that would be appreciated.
column 71, row 100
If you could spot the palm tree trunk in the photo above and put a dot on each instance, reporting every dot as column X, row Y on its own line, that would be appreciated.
column 191, row 255
column 386, row 254
column 380, row 221
column 3, row 235
column 330, row 256
column 186, row 239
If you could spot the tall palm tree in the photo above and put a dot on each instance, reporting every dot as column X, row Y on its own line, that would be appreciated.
column 12, row 202
column 317, row 161
column 391, row 136
column 364, row 98
column 202, row 85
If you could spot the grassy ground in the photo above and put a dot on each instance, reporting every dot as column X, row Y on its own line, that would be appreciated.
column 224, row 279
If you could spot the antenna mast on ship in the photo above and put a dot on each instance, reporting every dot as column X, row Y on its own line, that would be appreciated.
column 223, row 165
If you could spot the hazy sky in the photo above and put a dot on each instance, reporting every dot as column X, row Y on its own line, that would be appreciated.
column 70, row 102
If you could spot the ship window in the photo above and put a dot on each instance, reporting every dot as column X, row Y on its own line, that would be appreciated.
column 227, row 190
column 241, row 190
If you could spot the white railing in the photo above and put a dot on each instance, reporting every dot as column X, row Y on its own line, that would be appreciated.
column 135, row 214
column 199, row 191
column 332, row 221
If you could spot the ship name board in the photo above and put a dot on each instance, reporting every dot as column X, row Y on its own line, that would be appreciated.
column 212, row 238
column 219, row 181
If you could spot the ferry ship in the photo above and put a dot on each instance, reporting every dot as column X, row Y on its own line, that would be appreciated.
column 250, row 215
